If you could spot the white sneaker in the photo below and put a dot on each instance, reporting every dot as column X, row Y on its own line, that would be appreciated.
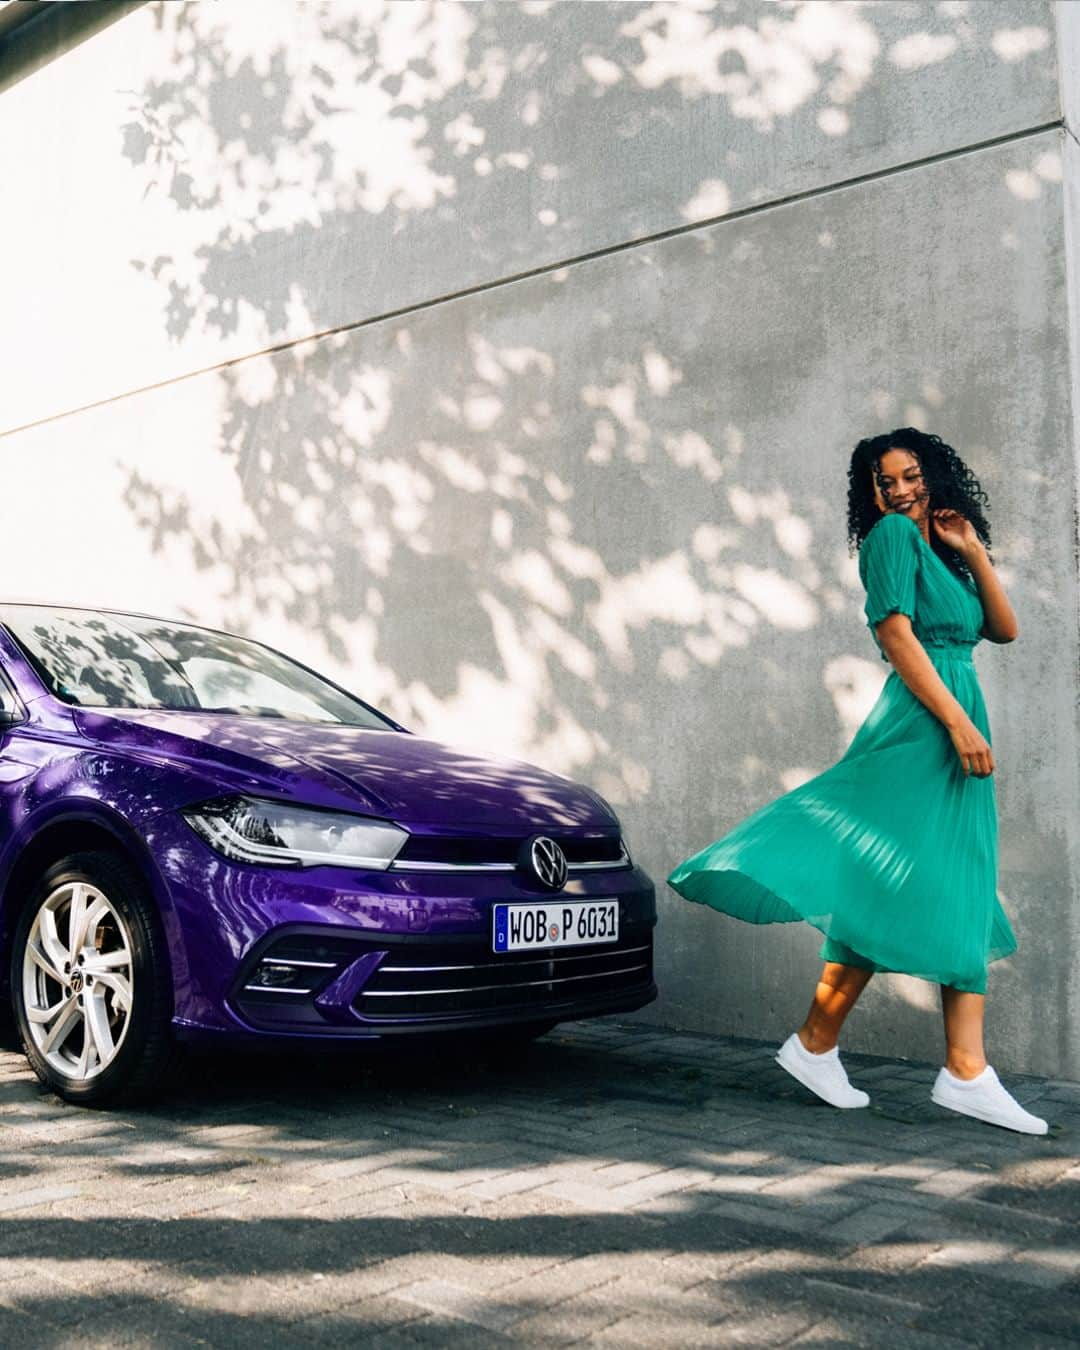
column 822, row 1074
column 984, row 1098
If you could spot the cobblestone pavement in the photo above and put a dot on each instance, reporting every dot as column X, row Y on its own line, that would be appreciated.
column 616, row 1185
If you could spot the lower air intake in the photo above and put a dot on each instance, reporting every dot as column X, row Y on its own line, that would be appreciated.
column 431, row 982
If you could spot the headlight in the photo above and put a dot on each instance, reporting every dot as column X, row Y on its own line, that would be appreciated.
column 251, row 830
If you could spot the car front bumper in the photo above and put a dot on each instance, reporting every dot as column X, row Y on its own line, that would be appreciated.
column 332, row 953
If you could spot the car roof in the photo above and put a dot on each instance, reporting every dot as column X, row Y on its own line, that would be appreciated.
column 122, row 613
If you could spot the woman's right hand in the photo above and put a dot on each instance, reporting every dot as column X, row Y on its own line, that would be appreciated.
column 973, row 748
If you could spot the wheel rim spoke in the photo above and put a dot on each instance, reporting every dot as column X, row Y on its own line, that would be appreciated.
column 51, row 941
column 102, row 961
column 119, row 984
column 98, row 1030
column 77, row 920
column 41, row 960
column 95, row 912
column 69, row 1017
column 86, row 1058
column 43, row 1015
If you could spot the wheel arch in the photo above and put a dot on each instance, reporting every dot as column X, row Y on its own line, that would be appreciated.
column 77, row 832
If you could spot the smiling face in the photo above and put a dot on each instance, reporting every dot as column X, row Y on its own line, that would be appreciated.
column 900, row 488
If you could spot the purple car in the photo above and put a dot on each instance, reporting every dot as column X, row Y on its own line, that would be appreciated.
column 203, row 840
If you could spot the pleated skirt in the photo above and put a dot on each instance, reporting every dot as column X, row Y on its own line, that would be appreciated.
column 891, row 853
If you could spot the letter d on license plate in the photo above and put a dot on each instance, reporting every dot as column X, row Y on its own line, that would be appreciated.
column 519, row 928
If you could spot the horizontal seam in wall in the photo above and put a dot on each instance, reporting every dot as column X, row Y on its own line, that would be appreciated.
column 759, row 208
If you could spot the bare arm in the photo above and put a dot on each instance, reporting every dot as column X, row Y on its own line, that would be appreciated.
column 999, row 621
column 999, row 618
column 910, row 661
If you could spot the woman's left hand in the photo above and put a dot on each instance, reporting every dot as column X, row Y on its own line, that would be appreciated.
column 954, row 530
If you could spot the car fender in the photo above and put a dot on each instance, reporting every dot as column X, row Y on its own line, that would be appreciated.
column 70, row 816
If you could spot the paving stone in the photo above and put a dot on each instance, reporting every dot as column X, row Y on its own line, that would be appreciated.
column 776, row 1218
column 438, row 1333
column 1059, row 1316
column 873, row 1222
column 976, row 1254
column 889, row 1258
column 952, row 1182
column 739, row 1183
column 581, row 1195
column 451, row 1299
column 648, row 1330
column 620, row 1173
column 569, row 1320
column 826, row 1295
column 624, row 1185
column 34, row 1197
column 1001, row 1219
column 358, row 1324
column 765, row 1327
column 815, row 1182
column 971, row 1303
column 1063, row 1260
column 847, row 1331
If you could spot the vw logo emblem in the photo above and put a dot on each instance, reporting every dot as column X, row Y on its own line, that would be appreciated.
column 547, row 862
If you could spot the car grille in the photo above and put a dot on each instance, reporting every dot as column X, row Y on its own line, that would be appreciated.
column 440, row 981
column 449, row 852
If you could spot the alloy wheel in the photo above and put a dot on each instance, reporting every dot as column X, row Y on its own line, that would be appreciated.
column 77, row 980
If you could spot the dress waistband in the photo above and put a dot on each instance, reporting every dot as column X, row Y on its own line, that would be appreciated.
column 950, row 649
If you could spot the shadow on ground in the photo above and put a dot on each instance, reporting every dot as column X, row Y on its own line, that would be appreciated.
column 610, row 1185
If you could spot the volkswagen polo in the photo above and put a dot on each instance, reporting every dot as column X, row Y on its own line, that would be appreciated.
column 206, row 841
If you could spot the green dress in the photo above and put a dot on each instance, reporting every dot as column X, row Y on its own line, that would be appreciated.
column 891, row 852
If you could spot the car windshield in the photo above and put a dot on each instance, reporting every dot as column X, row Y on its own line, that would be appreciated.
column 98, row 660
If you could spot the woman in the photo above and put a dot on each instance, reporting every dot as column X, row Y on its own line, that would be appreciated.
column 892, row 852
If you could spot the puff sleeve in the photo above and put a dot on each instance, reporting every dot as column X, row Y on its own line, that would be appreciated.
column 889, row 563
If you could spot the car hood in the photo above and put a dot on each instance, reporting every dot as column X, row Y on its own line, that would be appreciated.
column 387, row 773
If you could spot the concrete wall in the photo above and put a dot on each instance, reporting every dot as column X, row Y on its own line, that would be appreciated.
column 616, row 288
column 1068, row 20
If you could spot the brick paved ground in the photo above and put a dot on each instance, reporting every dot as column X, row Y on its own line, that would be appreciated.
column 618, row 1186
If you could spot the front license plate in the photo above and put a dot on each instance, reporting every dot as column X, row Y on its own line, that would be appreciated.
column 519, row 928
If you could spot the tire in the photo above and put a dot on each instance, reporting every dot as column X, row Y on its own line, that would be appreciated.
column 94, row 1021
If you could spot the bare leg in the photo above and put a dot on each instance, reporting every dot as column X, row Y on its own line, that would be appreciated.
column 963, row 1016
column 835, row 996
column 967, row 1084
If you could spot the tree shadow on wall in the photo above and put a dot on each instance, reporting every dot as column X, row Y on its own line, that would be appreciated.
column 594, row 515
column 536, row 482
column 420, row 148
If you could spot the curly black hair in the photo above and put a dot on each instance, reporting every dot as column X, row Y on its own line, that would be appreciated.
column 948, row 480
